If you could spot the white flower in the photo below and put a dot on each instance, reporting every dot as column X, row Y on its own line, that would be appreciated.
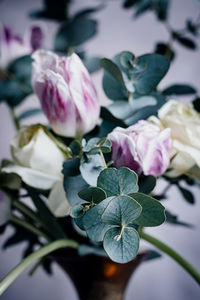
column 184, row 122
column 38, row 161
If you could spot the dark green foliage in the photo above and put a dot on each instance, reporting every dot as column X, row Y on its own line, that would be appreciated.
column 71, row 167
column 29, row 113
column 51, row 224
column 74, row 33
column 159, row 7
column 187, row 195
column 153, row 212
column 179, row 89
column 165, row 50
column 92, row 194
column 174, row 219
column 53, row 10
column 196, row 104
column 17, row 84
column 146, row 184
column 184, row 41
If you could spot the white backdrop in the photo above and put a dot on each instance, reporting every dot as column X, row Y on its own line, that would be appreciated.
column 161, row 279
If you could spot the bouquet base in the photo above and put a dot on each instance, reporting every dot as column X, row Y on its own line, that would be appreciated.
column 98, row 278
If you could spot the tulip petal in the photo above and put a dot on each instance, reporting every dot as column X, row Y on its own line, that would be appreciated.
column 142, row 147
column 66, row 92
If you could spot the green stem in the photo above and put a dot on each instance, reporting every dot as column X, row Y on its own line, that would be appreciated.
column 102, row 156
column 28, row 212
column 15, row 118
column 26, row 225
column 173, row 254
column 35, row 267
column 38, row 254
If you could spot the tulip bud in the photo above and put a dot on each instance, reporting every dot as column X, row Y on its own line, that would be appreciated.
column 142, row 147
column 66, row 92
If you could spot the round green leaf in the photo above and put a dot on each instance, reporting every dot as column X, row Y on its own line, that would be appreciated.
column 153, row 69
column 112, row 69
column 121, row 211
column 92, row 194
column 123, row 246
column 91, row 167
column 118, row 182
column 113, row 88
column 153, row 212
column 74, row 33
column 93, row 223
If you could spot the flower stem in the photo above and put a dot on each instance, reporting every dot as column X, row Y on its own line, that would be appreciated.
column 38, row 254
column 15, row 118
column 20, row 222
column 28, row 212
column 173, row 254
column 103, row 159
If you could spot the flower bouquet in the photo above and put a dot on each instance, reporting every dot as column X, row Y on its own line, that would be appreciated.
column 81, row 189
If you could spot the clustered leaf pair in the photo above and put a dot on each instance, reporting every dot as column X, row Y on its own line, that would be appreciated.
column 113, row 211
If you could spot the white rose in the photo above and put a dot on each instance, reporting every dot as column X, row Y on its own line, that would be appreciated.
column 38, row 161
column 184, row 122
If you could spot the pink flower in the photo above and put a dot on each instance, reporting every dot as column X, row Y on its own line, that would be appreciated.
column 66, row 92
column 142, row 147
column 12, row 46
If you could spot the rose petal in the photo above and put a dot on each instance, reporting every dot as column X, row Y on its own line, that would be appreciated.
column 34, row 178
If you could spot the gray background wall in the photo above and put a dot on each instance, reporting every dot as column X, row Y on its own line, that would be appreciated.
column 161, row 279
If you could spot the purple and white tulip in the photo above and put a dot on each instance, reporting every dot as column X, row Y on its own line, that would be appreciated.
column 66, row 92
column 142, row 147
column 13, row 46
